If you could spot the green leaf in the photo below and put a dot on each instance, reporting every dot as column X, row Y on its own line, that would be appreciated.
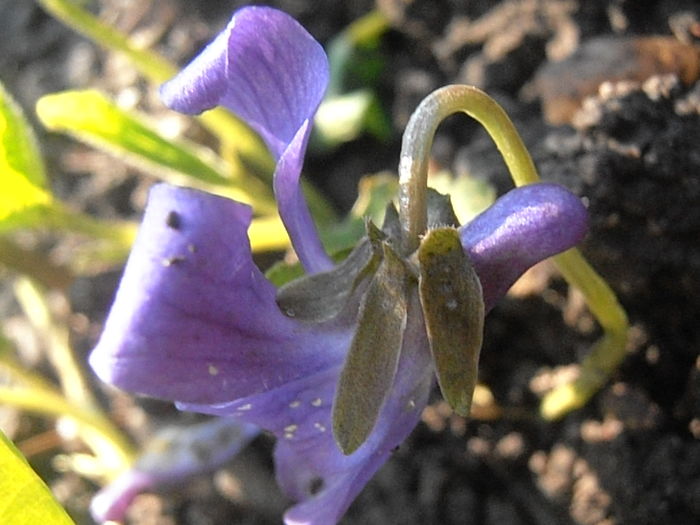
column 351, row 106
column 25, row 498
column 370, row 366
column 91, row 117
column 453, row 308
column 24, row 196
column 353, row 55
column 242, row 145
column 34, row 264
column 342, row 118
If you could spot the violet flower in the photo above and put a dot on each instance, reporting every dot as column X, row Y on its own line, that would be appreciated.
column 196, row 322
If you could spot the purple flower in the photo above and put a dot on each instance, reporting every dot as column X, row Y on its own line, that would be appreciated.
column 196, row 322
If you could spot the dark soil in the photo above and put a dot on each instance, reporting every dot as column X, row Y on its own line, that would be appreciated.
column 632, row 151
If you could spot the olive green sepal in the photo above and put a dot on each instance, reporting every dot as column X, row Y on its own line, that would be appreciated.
column 321, row 296
column 453, row 309
column 371, row 363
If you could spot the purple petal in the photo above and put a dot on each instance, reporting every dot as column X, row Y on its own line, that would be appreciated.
column 292, row 206
column 194, row 319
column 310, row 467
column 269, row 70
column 265, row 67
column 112, row 502
column 172, row 456
column 526, row 225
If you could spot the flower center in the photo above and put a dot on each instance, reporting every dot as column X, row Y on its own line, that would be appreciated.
column 372, row 287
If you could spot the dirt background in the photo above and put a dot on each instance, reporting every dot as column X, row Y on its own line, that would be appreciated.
column 632, row 150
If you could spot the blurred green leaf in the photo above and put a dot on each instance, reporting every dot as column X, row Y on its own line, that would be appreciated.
column 352, row 53
column 28, row 390
column 239, row 144
column 24, row 197
column 469, row 196
column 374, row 193
column 34, row 264
column 351, row 107
column 343, row 118
column 91, row 117
column 26, row 200
column 283, row 272
column 25, row 498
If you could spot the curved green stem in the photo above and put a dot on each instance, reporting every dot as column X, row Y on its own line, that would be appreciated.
column 609, row 351
column 418, row 140
column 34, row 394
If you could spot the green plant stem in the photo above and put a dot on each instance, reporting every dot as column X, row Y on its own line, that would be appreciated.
column 37, row 395
column 32, row 299
column 34, row 264
column 121, row 454
column 609, row 351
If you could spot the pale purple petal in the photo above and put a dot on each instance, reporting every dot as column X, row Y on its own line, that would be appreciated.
column 267, row 69
column 292, row 206
column 194, row 319
column 172, row 456
column 310, row 467
column 203, row 83
column 112, row 502
column 524, row 226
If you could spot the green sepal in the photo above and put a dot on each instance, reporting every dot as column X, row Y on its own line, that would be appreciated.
column 322, row 296
column 453, row 309
column 440, row 210
column 372, row 360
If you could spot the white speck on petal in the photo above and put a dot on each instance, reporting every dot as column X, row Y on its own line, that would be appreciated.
column 320, row 427
column 316, row 402
column 295, row 404
column 213, row 370
column 411, row 404
column 289, row 429
column 247, row 406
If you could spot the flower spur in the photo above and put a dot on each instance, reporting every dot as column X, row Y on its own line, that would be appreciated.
column 343, row 358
